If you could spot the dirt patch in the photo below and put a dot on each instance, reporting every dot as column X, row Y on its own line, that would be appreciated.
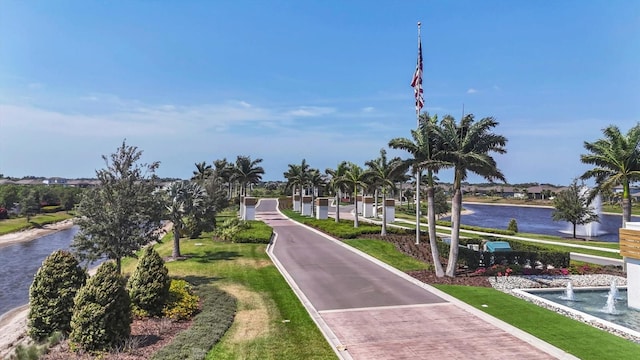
column 252, row 316
column 253, row 263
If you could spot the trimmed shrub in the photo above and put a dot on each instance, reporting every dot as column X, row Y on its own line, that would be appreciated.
column 183, row 303
column 4, row 214
column 218, row 311
column 52, row 208
column 513, row 226
column 149, row 285
column 102, row 311
column 51, row 295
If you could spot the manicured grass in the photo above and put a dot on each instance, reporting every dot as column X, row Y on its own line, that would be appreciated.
column 387, row 253
column 257, row 232
column 574, row 337
column 617, row 209
column 265, row 300
column 17, row 224
column 343, row 229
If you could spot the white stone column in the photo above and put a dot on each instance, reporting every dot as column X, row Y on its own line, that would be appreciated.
column 360, row 204
column 249, row 208
column 630, row 250
column 367, row 208
column 296, row 203
column 390, row 210
column 306, row 206
column 322, row 208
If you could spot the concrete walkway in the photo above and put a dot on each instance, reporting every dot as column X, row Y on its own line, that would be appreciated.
column 368, row 310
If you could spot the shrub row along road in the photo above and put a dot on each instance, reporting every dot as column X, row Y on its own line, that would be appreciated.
column 376, row 313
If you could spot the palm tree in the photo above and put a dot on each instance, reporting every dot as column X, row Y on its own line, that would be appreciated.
column 337, row 183
column 355, row 176
column 247, row 172
column 316, row 181
column 223, row 170
column 467, row 146
column 617, row 161
column 297, row 176
column 384, row 173
column 202, row 172
column 184, row 198
column 425, row 155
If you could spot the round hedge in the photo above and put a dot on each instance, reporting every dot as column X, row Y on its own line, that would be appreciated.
column 102, row 311
column 51, row 294
column 149, row 285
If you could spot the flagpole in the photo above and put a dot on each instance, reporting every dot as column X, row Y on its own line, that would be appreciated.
column 418, row 172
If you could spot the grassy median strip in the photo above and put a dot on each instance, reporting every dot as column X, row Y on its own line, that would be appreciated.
column 270, row 323
column 17, row 224
column 386, row 252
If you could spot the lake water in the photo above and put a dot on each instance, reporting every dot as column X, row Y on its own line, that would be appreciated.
column 535, row 220
column 20, row 262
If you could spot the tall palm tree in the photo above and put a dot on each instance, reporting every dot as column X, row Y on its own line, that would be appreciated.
column 202, row 172
column 223, row 170
column 337, row 183
column 467, row 146
column 316, row 181
column 183, row 198
column 617, row 162
column 355, row 176
column 384, row 172
column 425, row 155
column 247, row 172
column 297, row 177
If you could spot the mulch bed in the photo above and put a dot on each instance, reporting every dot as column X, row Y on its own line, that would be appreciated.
column 147, row 336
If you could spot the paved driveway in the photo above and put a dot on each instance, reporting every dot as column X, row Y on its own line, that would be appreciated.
column 374, row 313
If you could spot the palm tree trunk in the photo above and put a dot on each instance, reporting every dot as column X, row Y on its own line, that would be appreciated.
column 574, row 230
column 355, row 221
column 384, row 215
column 418, row 173
column 626, row 204
column 338, row 206
column 176, row 242
column 456, row 208
column 375, row 204
column 431, row 213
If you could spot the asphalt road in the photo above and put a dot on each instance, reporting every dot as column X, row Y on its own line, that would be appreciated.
column 332, row 277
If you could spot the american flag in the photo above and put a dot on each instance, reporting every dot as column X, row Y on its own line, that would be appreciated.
column 416, row 83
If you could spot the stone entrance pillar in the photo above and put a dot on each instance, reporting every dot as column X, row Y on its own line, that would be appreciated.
column 322, row 208
column 630, row 250
column 367, row 208
column 390, row 210
column 249, row 208
column 296, row 202
column 306, row 205
column 360, row 204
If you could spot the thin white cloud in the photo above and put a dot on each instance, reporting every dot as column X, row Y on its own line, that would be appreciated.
column 35, row 86
column 472, row 91
column 310, row 111
column 368, row 109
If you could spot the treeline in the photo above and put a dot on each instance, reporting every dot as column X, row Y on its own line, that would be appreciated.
column 33, row 199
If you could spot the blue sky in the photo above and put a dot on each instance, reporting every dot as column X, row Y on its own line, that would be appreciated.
column 192, row 81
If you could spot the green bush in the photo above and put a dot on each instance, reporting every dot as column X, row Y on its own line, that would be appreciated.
column 102, row 311
column 513, row 226
column 149, row 285
column 52, row 208
column 218, row 311
column 182, row 303
column 255, row 231
column 51, row 295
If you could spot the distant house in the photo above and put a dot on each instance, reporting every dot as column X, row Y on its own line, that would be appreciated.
column 55, row 181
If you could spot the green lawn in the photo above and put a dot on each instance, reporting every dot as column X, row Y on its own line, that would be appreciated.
column 264, row 300
column 16, row 224
column 387, row 253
